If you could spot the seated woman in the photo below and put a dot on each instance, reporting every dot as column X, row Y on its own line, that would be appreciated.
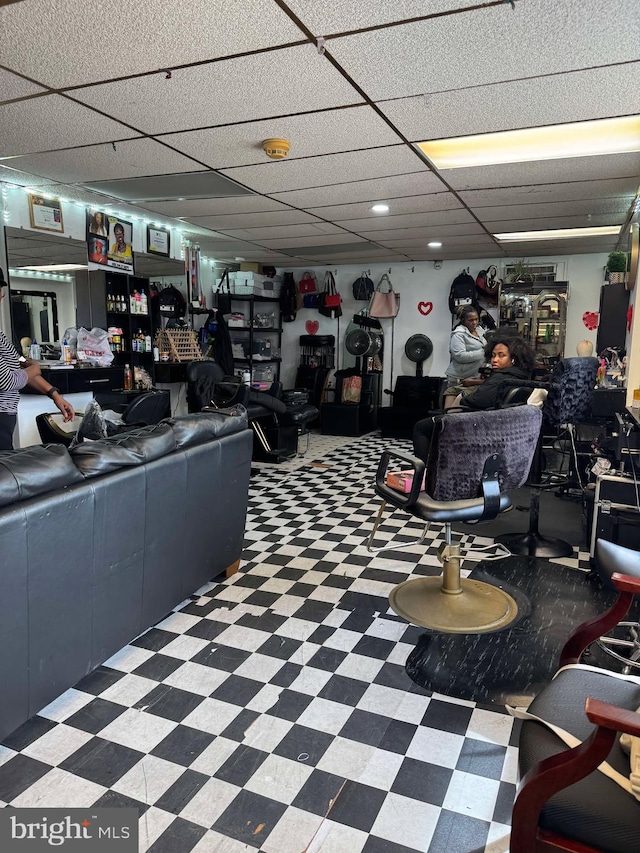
column 511, row 358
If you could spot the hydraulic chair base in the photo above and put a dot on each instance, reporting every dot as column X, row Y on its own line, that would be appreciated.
column 451, row 604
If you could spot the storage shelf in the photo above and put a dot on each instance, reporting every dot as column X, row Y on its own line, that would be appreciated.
column 257, row 360
column 254, row 329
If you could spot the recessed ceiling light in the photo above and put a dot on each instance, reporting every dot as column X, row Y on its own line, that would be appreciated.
column 434, row 245
column 558, row 233
column 56, row 267
column 578, row 139
column 380, row 208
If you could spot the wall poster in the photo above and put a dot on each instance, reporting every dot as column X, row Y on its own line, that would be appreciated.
column 157, row 241
column 45, row 214
column 109, row 241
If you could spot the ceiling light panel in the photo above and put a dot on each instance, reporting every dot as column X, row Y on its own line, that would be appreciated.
column 127, row 159
column 606, row 136
column 545, row 192
column 409, row 204
column 546, row 223
column 322, row 132
column 413, row 58
column 109, row 50
column 353, row 14
column 553, row 99
column 557, row 233
column 417, row 181
column 320, row 171
column 546, row 172
column 50, row 122
column 225, row 92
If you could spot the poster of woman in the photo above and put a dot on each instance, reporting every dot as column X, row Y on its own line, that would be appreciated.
column 97, row 224
column 120, row 255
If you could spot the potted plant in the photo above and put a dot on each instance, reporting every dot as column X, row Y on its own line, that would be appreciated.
column 616, row 267
column 520, row 271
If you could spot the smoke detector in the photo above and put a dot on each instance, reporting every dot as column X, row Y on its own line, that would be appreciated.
column 277, row 149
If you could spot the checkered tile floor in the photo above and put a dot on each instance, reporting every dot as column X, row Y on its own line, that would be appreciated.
column 272, row 712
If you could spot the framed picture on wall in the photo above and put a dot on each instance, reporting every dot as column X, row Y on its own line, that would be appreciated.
column 45, row 213
column 158, row 241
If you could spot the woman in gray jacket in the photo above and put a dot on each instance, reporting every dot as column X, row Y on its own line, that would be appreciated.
column 466, row 347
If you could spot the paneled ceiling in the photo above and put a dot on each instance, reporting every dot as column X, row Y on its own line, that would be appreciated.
column 164, row 106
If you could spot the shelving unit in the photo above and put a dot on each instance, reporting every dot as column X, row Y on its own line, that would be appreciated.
column 253, row 337
column 536, row 312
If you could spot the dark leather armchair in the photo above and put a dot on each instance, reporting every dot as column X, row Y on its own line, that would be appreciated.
column 475, row 459
column 564, row 802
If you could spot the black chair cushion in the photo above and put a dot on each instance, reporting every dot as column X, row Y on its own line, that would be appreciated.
column 191, row 430
column 136, row 447
column 36, row 470
column 595, row 811
column 299, row 416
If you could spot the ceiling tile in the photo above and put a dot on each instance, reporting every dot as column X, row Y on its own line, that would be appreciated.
column 555, row 99
column 344, row 15
column 426, row 232
column 50, row 122
column 12, row 86
column 283, row 176
column 103, row 49
column 194, row 207
column 410, row 220
column 284, row 231
column 15, row 176
column 126, row 159
column 447, row 240
column 477, row 252
column 322, row 132
column 550, row 247
column 241, row 89
column 375, row 189
column 409, row 204
column 549, row 192
column 584, row 207
column 547, row 171
column 544, row 224
column 444, row 53
column 163, row 187
column 229, row 221
column 304, row 242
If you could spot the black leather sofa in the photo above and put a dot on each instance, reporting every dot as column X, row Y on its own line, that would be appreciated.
column 101, row 542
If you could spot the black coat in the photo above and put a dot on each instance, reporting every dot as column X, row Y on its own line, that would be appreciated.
column 487, row 395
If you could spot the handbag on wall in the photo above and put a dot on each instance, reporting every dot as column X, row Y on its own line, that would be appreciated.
column 384, row 303
column 363, row 288
column 222, row 298
column 307, row 284
column 330, row 299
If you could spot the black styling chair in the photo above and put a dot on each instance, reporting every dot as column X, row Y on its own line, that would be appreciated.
column 568, row 402
column 579, row 788
column 475, row 458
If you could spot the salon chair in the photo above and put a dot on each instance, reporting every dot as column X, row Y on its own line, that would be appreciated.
column 568, row 402
column 413, row 398
column 277, row 427
column 563, row 801
column 474, row 460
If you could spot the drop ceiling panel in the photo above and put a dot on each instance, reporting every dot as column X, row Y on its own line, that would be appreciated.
column 12, row 86
column 241, row 89
column 531, row 224
column 420, row 242
column 255, row 221
column 15, row 176
column 163, row 187
column 353, row 14
column 284, row 231
column 410, row 204
column 551, row 247
column 50, row 122
column 331, row 169
column 613, row 206
column 376, row 189
column 556, row 99
column 285, row 243
column 194, row 207
column 127, row 159
column 387, row 223
column 444, row 53
column 441, row 254
column 549, row 192
column 426, row 232
column 322, row 132
column 548, row 171
column 105, row 42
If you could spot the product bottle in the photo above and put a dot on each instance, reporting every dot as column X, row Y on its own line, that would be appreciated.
column 132, row 302
column 156, row 354
column 143, row 302
column 246, row 376
column 34, row 352
column 128, row 378
column 66, row 352
column 148, row 344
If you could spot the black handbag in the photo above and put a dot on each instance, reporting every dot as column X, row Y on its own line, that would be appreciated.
column 222, row 298
column 363, row 288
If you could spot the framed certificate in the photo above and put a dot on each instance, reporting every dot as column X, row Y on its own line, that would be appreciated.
column 157, row 241
column 45, row 213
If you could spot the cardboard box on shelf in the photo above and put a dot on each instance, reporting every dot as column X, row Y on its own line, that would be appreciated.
column 250, row 266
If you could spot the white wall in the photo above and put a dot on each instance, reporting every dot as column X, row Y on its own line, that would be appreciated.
column 420, row 282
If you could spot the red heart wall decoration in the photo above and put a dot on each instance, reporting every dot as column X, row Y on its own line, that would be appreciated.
column 425, row 308
column 312, row 327
column 590, row 319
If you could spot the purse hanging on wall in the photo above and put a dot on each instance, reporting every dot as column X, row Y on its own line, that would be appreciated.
column 222, row 298
column 330, row 299
column 384, row 303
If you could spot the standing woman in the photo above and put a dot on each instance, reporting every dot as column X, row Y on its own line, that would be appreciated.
column 14, row 375
column 466, row 347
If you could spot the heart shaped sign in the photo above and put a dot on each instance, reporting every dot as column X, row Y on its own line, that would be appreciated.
column 425, row 308
column 312, row 327
column 590, row 319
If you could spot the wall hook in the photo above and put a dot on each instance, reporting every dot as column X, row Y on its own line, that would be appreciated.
column 167, row 74
column 320, row 44
column 389, row 270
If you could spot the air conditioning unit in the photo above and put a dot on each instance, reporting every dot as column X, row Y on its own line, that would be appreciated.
column 539, row 272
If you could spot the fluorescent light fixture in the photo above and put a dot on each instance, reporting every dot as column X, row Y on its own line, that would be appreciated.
column 558, row 233
column 578, row 139
column 380, row 208
column 434, row 245
column 56, row 267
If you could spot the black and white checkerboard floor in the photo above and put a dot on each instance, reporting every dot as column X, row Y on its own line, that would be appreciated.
column 271, row 712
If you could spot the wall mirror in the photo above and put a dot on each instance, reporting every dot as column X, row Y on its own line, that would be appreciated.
column 35, row 316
